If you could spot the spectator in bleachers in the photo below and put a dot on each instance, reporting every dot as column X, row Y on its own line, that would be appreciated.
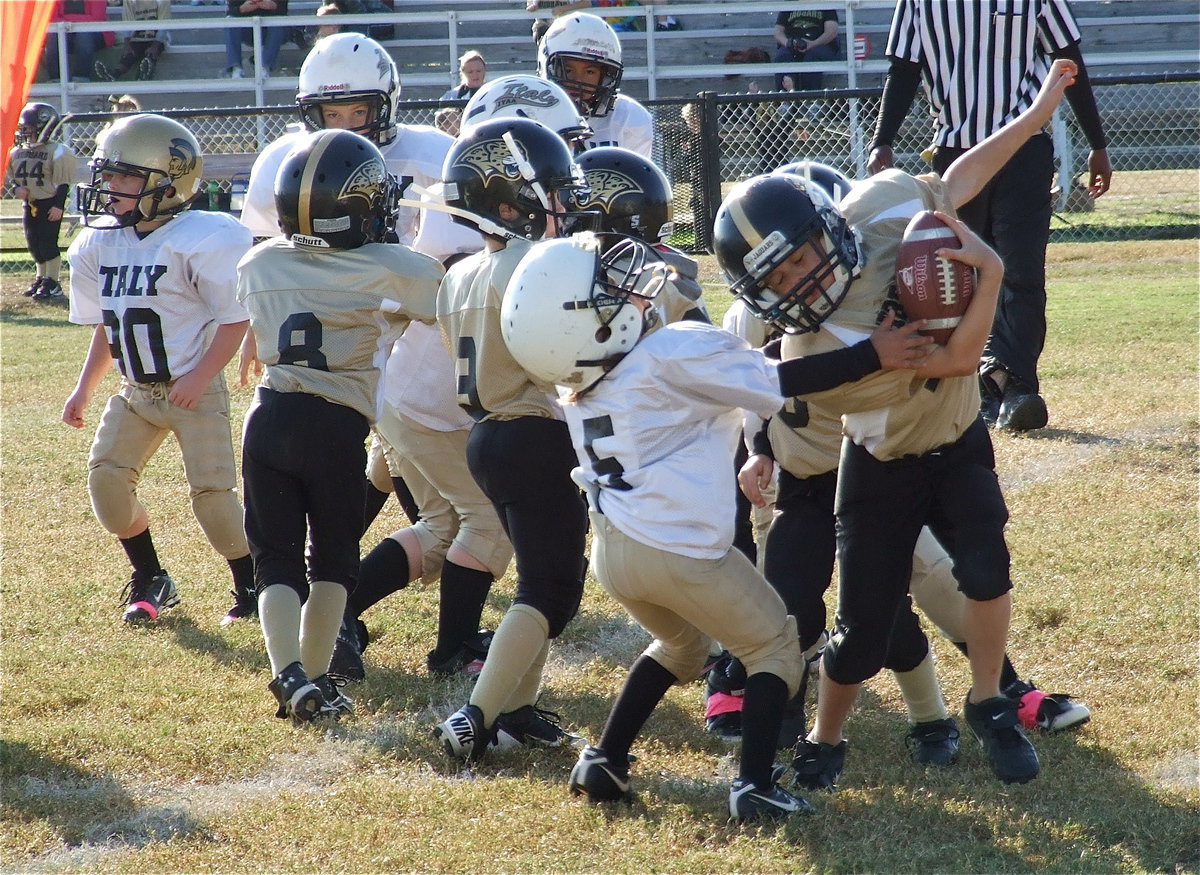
column 273, row 37
column 805, row 35
column 81, row 46
column 143, row 46
column 618, row 23
column 472, row 70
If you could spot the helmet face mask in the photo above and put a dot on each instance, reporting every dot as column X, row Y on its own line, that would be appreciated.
column 573, row 42
column 333, row 191
column 766, row 221
column 570, row 312
column 517, row 173
column 160, row 152
column 523, row 96
column 37, row 123
column 348, row 68
column 631, row 194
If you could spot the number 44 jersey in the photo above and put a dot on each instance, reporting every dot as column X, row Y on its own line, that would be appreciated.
column 161, row 296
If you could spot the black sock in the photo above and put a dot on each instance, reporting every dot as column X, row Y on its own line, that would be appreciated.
column 405, row 497
column 374, row 504
column 1008, row 673
column 243, row 574
column 644, row 688
column 762, row 715
column 142, row 555
column 463, row 592
column 382, row 572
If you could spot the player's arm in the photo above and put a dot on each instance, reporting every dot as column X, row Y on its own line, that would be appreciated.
column 95, row 366
column 190, row 387
column 887, row 348
column 967, row 176
column 960, row 356
column 248, row 358
column 1083, row 102
column 759, row 469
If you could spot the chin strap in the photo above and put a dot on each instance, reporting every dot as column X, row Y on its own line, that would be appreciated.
column 487, row 226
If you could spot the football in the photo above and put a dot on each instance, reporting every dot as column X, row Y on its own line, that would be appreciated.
column 932, row 288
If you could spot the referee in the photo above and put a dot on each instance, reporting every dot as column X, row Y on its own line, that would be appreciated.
column 982, row 63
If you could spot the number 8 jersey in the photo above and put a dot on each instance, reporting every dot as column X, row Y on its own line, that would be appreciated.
column 159, row 297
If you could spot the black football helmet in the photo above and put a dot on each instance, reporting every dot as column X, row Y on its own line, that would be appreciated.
column 835, row 183
column 760, row 224
column 38, row 123
column 631, row 194
column 522, row 163
column 333, row 191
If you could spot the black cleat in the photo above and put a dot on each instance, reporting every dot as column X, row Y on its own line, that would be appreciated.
column 998, row 728
column 146, row 599
column 934, row 742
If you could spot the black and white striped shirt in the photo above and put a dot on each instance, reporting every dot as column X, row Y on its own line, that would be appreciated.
column 974, row 92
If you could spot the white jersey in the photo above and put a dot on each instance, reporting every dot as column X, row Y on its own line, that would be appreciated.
column 420, row 381
column 414, row 156
column 740, row 321
column 159, row 297
column 629, row 125
column 657, row 435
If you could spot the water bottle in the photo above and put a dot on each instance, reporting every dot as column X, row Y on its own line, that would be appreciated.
column 214, row 190
column 237, row 193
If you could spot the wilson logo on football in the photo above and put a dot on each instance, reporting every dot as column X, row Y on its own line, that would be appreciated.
column 490, row 159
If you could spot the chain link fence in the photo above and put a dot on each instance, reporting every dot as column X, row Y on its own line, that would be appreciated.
column 709, row 143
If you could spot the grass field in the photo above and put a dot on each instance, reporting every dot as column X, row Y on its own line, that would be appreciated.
column 154, row 750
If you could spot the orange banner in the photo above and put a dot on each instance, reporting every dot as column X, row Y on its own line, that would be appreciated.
column 22, row 31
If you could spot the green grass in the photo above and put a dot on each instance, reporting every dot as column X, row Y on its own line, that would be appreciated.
column 154, row 750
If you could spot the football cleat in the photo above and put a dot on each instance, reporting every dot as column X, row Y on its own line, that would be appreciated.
column 463, row 734
column 818, row 765
column 347, row 662
column 747, row 802
column 245, row 605
column 466, row 660
column 934, row 742
column 1052, row 712
column 997, row 726
column 331, row 689
column 299, row 698
column 600, row 779
column 146, row 599
column 530, row 726
column 32, row 291
column 49, row 288
column 727, row 724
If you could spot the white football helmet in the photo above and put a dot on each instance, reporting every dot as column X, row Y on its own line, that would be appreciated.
column 350, row 68
column 583, row 37
column 524, row 96
column 567, row 317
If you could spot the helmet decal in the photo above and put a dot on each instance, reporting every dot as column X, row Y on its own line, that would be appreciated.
column 520, row 94
column 183, row 158
column 364, row 181
column 490, row 159
column 607, row 185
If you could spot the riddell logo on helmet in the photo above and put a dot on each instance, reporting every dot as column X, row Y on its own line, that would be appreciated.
column 331, row 87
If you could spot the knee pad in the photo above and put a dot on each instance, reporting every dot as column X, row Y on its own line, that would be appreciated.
column 219, row 513
column 491, row 548
column 851, row 658
column 779, row 655
column 557, row 603
column 433, row 550
column 113, row 495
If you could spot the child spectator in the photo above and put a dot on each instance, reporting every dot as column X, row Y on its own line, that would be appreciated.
column 42, row 170
column 142, row 47
column 158, row 282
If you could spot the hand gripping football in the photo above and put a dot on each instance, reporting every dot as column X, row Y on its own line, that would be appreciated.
column 932, row 288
